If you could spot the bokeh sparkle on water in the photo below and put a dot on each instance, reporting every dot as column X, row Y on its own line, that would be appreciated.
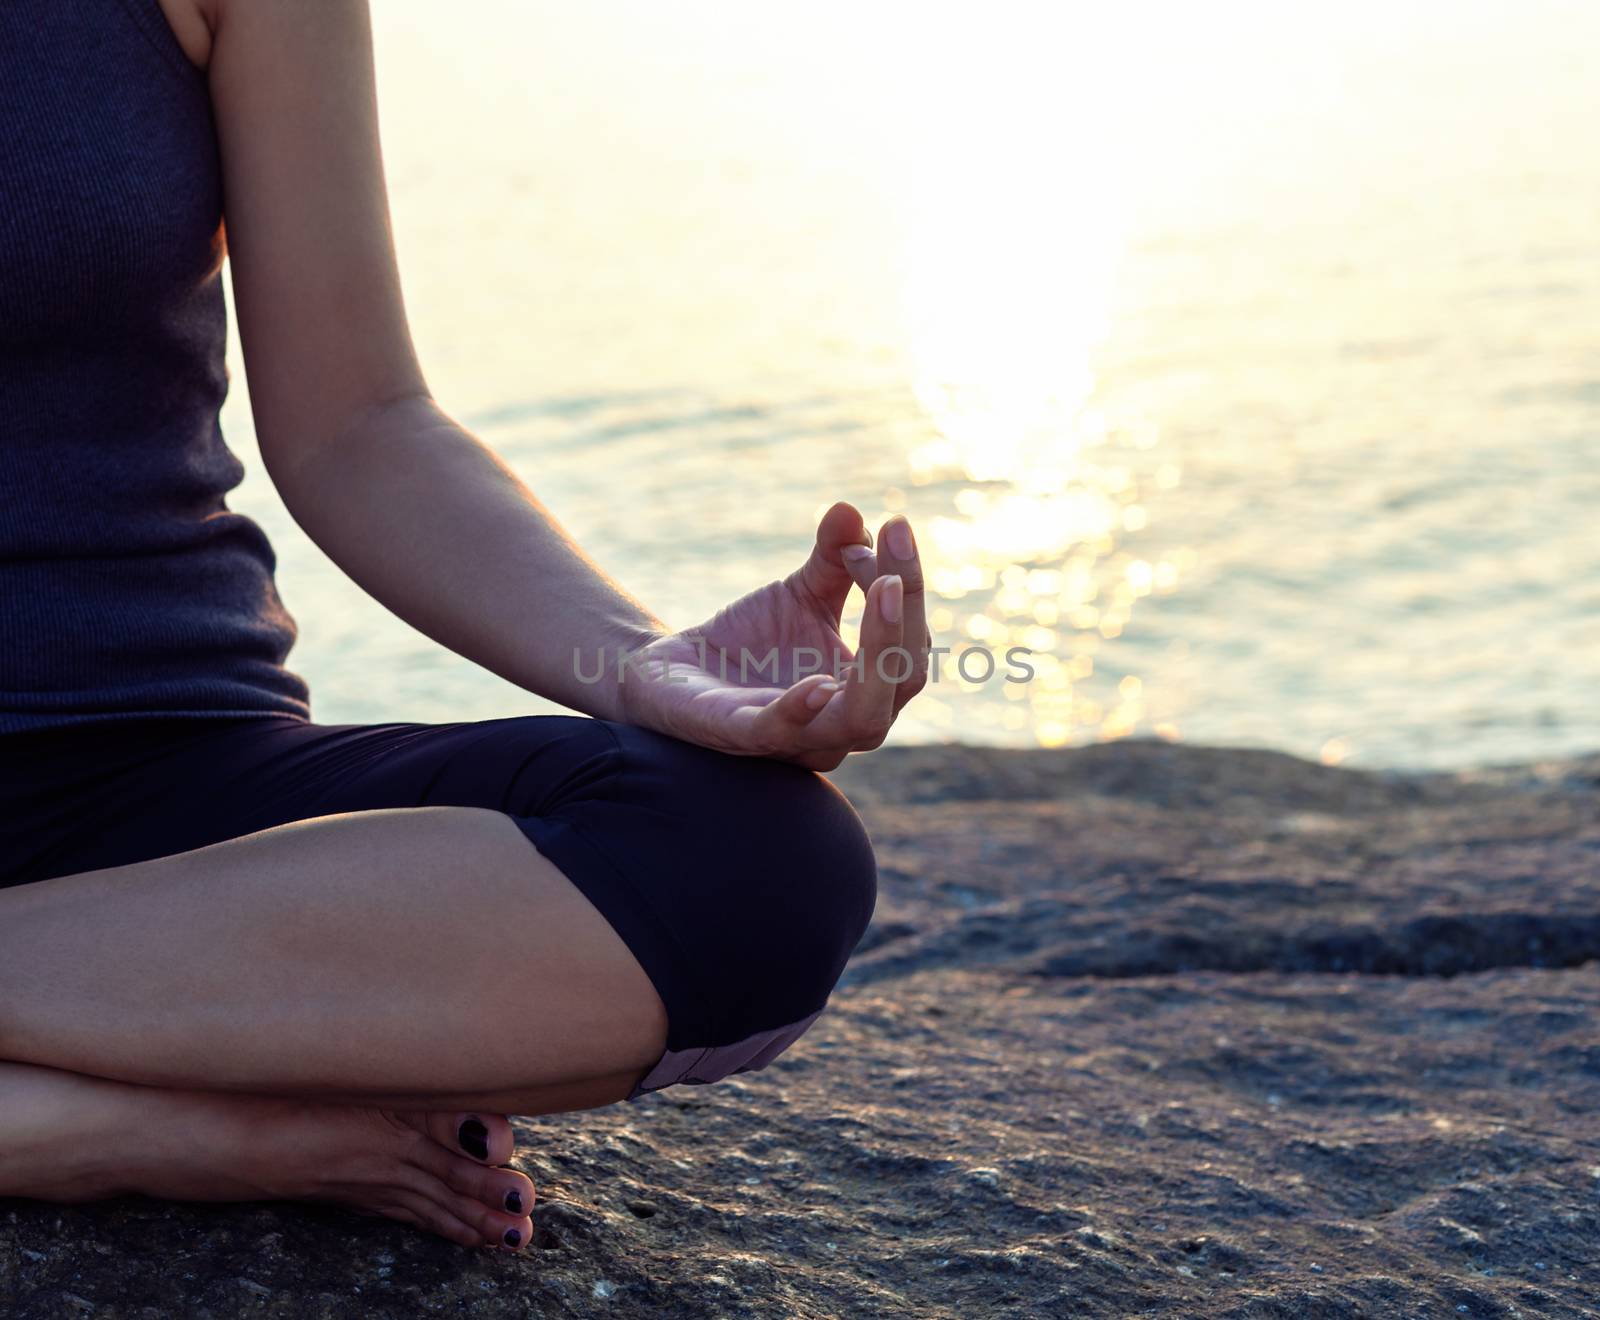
column 1241, row 365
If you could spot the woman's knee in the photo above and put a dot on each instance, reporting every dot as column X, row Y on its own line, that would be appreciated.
column 790, row 870
column 778, row 849
column 818, row 851
column 742, row 884
column 797, row 882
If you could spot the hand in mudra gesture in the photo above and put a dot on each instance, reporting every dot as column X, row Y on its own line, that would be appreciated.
column 721, row 685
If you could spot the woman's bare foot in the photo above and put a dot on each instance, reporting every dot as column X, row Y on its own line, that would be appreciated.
column 68, row 1137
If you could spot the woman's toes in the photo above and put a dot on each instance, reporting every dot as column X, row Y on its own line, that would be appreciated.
column 495, row 1226
column 473, row 1137
column 445, row 1180
column 517, row 1201
column 506, row 1190
column 437, row 1176
column 503, row 1191
column 484, row 1137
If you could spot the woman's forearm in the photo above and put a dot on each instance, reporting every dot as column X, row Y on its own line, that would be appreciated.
column 433, row 525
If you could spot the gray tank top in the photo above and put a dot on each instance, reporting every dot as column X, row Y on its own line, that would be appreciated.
column 127, row 586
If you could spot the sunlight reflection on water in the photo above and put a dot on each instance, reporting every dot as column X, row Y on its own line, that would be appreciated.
column 1243, row 372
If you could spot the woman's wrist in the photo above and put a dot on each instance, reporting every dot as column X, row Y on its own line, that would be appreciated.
column 601, row 668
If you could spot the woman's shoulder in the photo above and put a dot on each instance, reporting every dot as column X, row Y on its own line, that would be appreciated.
column 192, row 23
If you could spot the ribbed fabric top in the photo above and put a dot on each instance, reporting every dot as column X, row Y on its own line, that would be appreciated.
column 127, row 586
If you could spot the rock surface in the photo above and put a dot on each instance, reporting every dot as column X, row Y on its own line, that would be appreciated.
column 1141, row 1029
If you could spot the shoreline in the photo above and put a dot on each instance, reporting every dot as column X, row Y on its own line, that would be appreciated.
column 1529, row 764
column 1046, row 771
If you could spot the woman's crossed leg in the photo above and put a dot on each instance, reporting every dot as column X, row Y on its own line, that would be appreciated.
column 342, row 1007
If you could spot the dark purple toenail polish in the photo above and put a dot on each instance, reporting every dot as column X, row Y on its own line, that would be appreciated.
column 513, row 1238
column 474, row 1139
column 514, row 1203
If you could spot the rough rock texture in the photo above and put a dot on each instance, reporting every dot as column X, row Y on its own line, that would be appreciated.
column 1141, row 1029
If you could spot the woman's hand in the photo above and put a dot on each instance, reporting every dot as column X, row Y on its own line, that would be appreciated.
column 759, row 677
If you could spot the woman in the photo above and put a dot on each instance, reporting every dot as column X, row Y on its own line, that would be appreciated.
column 244, row 955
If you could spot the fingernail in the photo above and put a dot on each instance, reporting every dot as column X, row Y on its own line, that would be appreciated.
column 474, row 1139
column 891, row 599
column 900, row 541
column 821, row 695
column 512, row 1238
column 855, row 553
column 513, row 1203
column 867, row 532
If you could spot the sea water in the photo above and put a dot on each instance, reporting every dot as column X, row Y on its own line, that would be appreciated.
column 1240, row 361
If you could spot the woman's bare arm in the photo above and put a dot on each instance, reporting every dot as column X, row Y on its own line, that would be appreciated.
column 402, row 498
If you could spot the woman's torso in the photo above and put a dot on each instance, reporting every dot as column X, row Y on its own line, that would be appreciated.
column 127, row 587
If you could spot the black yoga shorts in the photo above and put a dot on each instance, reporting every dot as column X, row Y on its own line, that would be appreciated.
column 740, row 884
